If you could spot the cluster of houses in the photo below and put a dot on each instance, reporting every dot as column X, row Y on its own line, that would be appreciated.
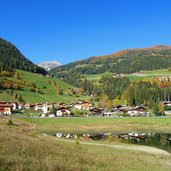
column 62, row 109
column 140, row 73
column 7, row 108
column 131, row 111
column 86, row 108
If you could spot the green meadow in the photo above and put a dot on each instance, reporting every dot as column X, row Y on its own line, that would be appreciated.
column 48, row 92
column 5, row 97
column 93, row 77
column 95, row 124
column 147, row 75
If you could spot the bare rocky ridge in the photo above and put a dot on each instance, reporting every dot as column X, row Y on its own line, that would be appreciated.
column 48, row 65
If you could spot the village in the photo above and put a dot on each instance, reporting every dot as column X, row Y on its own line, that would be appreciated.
column 81, row 108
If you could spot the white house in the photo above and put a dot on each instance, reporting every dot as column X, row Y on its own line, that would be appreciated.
column 38, row 106
column 29, row 106
column 5, row 108
column 63, row 112
column 45, row 107
column 77, row 106
column 137, row 111
column 14, row 105
column 132, row 112
column 108, row 113
column 82, row 105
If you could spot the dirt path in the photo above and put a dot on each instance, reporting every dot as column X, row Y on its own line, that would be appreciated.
column 146, row 149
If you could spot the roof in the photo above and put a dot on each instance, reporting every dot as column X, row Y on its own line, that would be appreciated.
column 62, row 108
column 139, row 107
column 78, row 104
column 62, row 103
column 6, row 105
column 2, row 102
column 80, row 101
column 95, row 109
column 87, row 102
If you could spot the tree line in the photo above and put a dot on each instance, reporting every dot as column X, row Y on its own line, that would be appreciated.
column 126, row 62
column 142, row 92
column 11, row 58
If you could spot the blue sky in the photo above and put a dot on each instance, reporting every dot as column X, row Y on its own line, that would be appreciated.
column 69, row 30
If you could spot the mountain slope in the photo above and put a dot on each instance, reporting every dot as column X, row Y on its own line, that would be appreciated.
column 125, row 61
column 11, row 58
column 38, row 88
column 48, row 65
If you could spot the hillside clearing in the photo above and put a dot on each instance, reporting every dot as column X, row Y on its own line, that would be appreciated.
column 148, row 75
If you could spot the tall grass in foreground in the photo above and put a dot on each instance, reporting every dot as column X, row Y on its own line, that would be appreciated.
column 21, row 149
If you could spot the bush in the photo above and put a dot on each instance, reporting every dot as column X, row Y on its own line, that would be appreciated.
column 78, row 112
column 167, row 108
column 53, row 111
column 9, row 122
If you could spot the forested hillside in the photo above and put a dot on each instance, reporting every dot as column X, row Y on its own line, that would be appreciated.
column 112, row 88
column 126, row 61
column 11, row 58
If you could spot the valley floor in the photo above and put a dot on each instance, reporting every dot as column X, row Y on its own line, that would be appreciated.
column 100, row 124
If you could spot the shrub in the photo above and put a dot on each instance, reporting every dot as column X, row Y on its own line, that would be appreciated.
column 167, row 107
column 77, row 112
column 9, row 122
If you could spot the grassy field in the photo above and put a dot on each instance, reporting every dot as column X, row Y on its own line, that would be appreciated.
column 161, row 72
column 147, row 75
column 151, row 75
column 48, row 92
column 93, row 77
column 5, row 97
column 77, row 125
column 21, row 149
